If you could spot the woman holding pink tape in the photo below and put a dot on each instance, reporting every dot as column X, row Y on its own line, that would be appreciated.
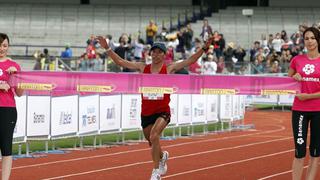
column 155, row 114
column 306, row 106
column 8, row 110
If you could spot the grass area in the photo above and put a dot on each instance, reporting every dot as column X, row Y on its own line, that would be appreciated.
column 271, row 107
column 36, row 146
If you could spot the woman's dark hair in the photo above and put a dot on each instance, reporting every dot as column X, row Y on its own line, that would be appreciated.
column 4, row 37
column 316, row 34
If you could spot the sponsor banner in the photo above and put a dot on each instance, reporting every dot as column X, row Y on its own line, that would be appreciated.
column 174, row 108
column 20, row 129
column 226, row 107
column 158, row 90
column 88, row 114
column 212, row 108
column 184, row 109
column 38, row 115
column 110, row 113
column 277, row 92
column 36, row 86
column 198, row 108
column 94, row 88
column 286, row 99
column 235, row 107
column 128, row 83
column 250, row 84
column 131, row 111
column 242, row 106
column 64, row 115
column 218, row 91
column 265, row 99
column 248, row 99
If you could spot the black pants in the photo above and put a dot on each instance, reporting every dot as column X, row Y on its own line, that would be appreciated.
column 300, row 124
column 8, row 119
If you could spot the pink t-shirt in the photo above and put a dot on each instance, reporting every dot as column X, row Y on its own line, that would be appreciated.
column 310, row 72
column 7, row 98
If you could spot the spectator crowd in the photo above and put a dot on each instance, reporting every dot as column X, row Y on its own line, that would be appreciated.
column 271, row 54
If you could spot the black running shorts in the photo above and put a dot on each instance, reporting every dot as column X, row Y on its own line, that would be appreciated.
column 7, row 123
column 147, row 120
column 300, row 123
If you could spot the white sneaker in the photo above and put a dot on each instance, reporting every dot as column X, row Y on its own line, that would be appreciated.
column 155, row 175
column 163, row 163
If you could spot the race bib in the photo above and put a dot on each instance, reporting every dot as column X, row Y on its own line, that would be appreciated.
column 152, row 96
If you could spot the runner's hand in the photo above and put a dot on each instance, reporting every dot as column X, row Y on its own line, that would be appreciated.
column 11, row 70
column 5, row 87
column 208, row 43
column 103, row 42
column 297, row 77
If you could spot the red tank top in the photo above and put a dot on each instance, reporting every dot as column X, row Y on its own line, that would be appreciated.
column 149, row 107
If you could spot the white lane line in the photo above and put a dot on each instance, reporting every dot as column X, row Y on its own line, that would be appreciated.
column 177, row 157
column 226, row 164
column 278, row 174
column 147, row 149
